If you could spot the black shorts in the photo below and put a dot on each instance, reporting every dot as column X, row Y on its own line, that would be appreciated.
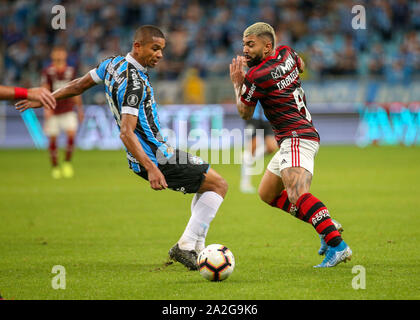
column 183, row 172
column 255, row 124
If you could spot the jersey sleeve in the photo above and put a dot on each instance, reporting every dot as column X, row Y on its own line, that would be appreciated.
column 98, row 73
column 132, row 97
column 250, row 92
column 296, row 57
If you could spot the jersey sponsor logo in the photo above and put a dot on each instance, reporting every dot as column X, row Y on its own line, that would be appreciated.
column 320, row 215
column 132, row 100
column 283, row 68
column 288, row 80
column 250, row 93
column 110, row 69
column 136, row 79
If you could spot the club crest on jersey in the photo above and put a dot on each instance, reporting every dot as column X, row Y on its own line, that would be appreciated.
column 132, row 100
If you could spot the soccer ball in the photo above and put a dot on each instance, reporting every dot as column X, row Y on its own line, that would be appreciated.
column 216, row 262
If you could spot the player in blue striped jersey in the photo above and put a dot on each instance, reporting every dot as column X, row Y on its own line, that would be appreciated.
column 131, row 99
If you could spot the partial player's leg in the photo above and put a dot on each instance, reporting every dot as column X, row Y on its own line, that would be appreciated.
column 69, row 125
column 204, row 207
column 309, row 209
column 51, row 129
column 288, row 165
column 53, row 151
column 210, row 189
column 67, row 168
column 249, row 156
column 272, row 190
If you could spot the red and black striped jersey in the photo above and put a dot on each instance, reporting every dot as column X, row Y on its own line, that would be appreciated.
column 56, row 79
column 275, row 83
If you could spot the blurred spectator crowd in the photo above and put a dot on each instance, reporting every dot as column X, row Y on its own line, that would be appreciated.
column 206, row 34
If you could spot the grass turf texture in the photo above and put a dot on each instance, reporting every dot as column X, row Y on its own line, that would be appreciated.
column 112, row 232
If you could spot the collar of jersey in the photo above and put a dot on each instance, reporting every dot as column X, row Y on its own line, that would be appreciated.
column 135, row 63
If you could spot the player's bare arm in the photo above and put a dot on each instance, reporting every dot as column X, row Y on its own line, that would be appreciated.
column 71, row 89
column 237, row 76
column 131, row 142
column 41, row 95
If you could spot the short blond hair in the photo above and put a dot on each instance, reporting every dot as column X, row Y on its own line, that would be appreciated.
column 261, row 29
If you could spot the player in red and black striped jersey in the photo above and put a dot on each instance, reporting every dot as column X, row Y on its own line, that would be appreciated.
column 63, row 117
column 276, row 85
column 273, row 80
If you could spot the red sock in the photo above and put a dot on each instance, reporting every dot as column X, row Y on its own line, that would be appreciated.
column 70, row 146
column 282, row 202
column 311, row 210
column 52, row 148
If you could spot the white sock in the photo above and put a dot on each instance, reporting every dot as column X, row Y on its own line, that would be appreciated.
column 246, row 168
column 201, row 241
column 194, row 200
column 203, row 212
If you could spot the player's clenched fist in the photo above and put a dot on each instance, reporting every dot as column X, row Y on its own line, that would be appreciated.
column 156, row 179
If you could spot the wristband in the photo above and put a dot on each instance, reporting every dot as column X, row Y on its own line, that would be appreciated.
column 21, row 93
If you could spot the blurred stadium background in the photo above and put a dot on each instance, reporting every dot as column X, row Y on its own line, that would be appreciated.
column 362, row 86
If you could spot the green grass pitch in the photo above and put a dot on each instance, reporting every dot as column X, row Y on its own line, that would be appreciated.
column 112, row 233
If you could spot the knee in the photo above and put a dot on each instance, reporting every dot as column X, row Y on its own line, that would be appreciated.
column 265, row 197
column 221, row 187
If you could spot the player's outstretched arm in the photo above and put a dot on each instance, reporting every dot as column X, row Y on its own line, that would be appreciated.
column 71, row 89
column 7, row 93
column 41, row 95
column 128, row 124
column 237, row 76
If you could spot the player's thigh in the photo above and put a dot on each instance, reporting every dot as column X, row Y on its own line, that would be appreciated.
column 270, row 187
column 68, row 122
column 213, row 181
column 297, row 166
column 51, row 126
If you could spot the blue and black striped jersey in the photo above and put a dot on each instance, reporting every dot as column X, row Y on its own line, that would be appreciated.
column 128, row 91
